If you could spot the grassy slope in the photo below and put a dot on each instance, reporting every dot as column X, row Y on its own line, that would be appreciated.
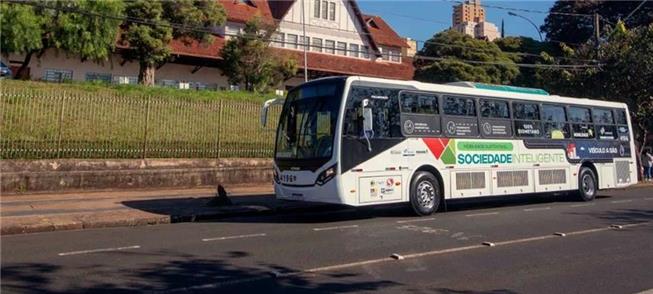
column 42, row 120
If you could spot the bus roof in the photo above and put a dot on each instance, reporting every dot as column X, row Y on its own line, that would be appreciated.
column 494, row 92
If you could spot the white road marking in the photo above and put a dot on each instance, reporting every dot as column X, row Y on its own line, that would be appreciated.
column 234, row 237
column 650, row 198
column 335, row 228
column 482, row 214
column 415, row 220
column 582, row 205
column 387, row 259
column 99, row 250
column 621, row 201
column 537, row 208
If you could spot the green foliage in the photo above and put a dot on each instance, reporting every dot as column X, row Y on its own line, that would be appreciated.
column 249, row 60
column 90, row 38
column 537, row 51
column 579, row 29
column 450, row 46
column 22, row 28
column 149, row 43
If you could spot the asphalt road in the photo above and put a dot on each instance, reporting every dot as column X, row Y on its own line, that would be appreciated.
column 605, row 246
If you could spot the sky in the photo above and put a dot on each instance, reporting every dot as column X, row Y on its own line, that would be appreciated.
column 420, row 20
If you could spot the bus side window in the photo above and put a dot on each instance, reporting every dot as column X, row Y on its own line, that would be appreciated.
column 581, row 123
column 385, row 108
column 604, row 121
column 527, row 119
column 495, row 118
column 555, row 122
column 621, row 119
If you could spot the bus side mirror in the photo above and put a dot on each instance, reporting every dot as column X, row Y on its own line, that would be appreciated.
column 266, row 106
column 368, row 117
column 368, row 125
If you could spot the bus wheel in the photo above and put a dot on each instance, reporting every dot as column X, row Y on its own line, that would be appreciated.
column 587, row 185
column 424, row 193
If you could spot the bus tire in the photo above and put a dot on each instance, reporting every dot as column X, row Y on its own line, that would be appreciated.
column 587, row 184
column 425, row 193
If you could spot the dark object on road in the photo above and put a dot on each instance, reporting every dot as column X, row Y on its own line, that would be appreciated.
column 220, row 198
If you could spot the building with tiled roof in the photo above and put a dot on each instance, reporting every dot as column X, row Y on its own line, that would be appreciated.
column 341, row 41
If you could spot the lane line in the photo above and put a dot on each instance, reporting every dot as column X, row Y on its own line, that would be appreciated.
column 650, row 198
column 482, row 214
column 335, row 228
column 234, row 237
column 99, row 250
column 621, row 201
column 389, row 259
column 582, row 205
column 538, row 208
column 415, row 220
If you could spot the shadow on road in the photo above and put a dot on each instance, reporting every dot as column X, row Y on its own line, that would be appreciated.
column 178, row 273
column 266, row 209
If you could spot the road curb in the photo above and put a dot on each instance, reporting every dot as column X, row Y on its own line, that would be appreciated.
column 86, row 222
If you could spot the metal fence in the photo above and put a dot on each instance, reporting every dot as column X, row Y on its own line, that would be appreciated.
column 44, row 123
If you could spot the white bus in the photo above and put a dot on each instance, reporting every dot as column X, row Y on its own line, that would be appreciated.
column 363, row 141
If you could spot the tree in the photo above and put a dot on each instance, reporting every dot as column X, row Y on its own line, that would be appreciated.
column 73, row 26
column 149, row 30
column 624, row 75
column 448, row 48
column 572, row 21
column 22, row 31
column 249, row 60
column 529, row 51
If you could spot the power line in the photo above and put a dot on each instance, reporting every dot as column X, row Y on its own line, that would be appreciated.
column 634, row 10
column 210, row 31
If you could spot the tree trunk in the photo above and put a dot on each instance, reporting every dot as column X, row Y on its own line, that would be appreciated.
column 146, row 74
column 21, row 74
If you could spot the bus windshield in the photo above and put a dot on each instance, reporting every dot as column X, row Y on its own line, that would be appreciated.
column 308, row 121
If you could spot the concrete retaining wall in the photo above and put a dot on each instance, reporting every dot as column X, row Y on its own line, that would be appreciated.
column 30, row 176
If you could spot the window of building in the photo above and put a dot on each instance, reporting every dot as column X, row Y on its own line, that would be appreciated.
column 330, row 46
column 385, row 55
column 304, row 41
column 459, row 106
column 353, row 50
column 98, row 77
column 494, row 109
column 554, row 123
column 325, row 9
column 292, row 41
column 332, row 11
column 581, row 126
column 395, row 56
column 316, row 8
column 232, row 30
column 125, row 80
column 58, row 75
column 278, row 39
column 366, row 51
column 317, row 45
column 342, row 48
column 422, row 103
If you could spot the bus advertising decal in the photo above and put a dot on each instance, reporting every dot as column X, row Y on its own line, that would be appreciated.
column 599, row 150
column 486, row 152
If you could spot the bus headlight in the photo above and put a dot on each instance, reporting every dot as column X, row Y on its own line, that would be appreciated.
column 327, row 175
column 275, row 176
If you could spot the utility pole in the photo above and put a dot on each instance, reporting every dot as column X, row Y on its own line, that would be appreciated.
column 597, row 31
column 305, row 43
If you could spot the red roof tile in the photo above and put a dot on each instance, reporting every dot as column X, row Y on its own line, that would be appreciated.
column 243, row 11
column 382, row 33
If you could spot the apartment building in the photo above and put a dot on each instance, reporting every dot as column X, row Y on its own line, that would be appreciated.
column 469, row 18
column 339, row 40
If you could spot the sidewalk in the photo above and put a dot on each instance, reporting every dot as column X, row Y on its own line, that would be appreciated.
column 73, row 211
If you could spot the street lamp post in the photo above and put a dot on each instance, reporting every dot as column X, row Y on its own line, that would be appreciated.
column 528, row 20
